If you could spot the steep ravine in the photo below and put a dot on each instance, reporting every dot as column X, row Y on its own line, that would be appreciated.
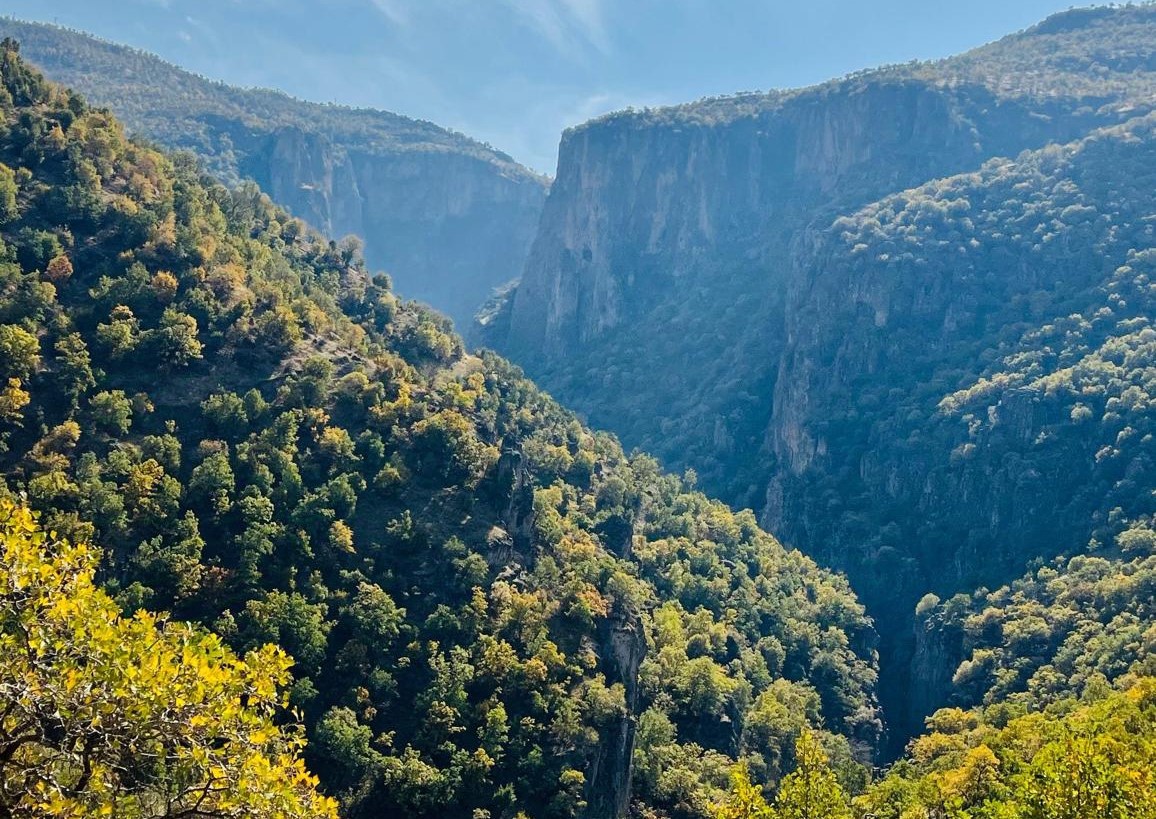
column 679, row 293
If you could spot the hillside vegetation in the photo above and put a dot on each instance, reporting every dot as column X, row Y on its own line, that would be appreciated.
column 1037, row 269
column 490, row 609
column 1090, row 757
column 180, row 109
column 107, row 715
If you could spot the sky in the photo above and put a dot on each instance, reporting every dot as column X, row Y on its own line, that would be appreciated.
column 516, row 73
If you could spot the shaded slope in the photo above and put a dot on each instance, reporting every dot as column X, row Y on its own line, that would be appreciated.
column 916, row 463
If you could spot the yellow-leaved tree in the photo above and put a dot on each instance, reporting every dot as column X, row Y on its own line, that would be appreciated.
column 131, row 717
column 745, row 801
column 811, row 791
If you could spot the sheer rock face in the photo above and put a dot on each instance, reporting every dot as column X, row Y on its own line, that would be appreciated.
column 447, row 227
column 643, row 206
column 623, row 648
column 659, row 221
column 934, row 659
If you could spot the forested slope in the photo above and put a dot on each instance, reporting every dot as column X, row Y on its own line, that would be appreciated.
column 1079, row 757
column 920, row 469
column 490, row 607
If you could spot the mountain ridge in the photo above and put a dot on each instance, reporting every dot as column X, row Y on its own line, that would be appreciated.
column 448, row 217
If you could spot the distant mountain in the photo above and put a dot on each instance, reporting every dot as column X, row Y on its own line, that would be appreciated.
column 447, row 217
column 491, row 608
column 759, row 289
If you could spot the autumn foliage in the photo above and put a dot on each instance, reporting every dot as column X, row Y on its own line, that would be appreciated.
column 106, row 715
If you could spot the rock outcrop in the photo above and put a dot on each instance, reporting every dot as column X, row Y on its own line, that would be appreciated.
column 608, row 787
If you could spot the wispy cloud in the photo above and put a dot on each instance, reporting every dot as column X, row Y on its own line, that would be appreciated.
column 571, row 26
column 394, row 11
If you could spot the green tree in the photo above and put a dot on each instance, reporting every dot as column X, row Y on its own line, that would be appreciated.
column 73, row 367
column 120, row 336
column 174, row 341
column 292, row 621
column 212, row 483
column 811, row 791
column 19, row 352
column 8, row 191
column 111, row 410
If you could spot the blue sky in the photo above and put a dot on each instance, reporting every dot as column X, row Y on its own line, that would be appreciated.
column 514, row 73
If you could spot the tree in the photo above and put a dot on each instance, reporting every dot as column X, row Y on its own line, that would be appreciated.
column 175, row 341
column 745, row 800
column 1085, row 778
column 1093, row 758
column 292, row 620
column 165, row 286
column 446, row 448
column 13, row 400
column 59, row 269
column 225, row 414
column 811, row 791
column 111, row 411
column 120, row 336
column 212, row 484
column 19, row 351
column 106, row 715
column 73, row 367
column 9, row 209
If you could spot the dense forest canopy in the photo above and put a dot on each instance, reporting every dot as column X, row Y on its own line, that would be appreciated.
column 259, row 516
column 487, row 605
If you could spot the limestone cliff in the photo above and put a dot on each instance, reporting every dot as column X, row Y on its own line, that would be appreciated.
column 448, row 226
column 645, row 203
